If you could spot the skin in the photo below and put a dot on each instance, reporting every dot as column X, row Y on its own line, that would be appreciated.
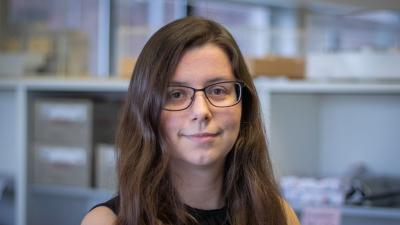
column 200, row 137
column 99, row 216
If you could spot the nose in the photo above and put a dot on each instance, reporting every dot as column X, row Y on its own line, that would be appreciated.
column 200, row 107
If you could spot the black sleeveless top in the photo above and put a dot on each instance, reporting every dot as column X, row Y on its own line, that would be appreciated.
column 204, row 217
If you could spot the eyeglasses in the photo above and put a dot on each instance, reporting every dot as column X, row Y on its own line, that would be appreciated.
column 221, row 94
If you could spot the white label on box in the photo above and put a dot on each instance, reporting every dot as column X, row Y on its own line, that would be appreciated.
column 67, row 112
column 63, row 155
column 321, row 216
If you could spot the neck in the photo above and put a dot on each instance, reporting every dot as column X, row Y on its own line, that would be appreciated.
column 199, row 188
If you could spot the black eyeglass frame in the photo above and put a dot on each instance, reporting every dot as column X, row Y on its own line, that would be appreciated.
column 241, row 85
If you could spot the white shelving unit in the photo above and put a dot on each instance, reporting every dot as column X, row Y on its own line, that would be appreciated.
column 15, row 97
column 321, row 129
column 314, row 129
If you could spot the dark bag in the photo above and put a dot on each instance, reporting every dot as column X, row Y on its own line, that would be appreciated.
column 374, row 191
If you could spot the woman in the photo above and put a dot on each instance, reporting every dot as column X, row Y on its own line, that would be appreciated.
column 192, row 148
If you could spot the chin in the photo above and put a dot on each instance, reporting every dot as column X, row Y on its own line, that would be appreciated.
column 205, row 161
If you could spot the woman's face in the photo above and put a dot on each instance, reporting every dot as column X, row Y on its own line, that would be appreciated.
column 201, row 135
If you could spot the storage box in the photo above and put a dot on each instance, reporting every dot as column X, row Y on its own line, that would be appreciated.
column 58, row 165
column 105, row 172
column 77, row 54
column 62, row 142
column 353, row 65
column 276, row 66
column 130, row 42
column 125, row 67
column 63, row 121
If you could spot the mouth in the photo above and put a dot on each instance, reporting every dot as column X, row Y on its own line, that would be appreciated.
column 202, row 137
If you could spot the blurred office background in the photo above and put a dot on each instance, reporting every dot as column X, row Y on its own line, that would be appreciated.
column 327, row 72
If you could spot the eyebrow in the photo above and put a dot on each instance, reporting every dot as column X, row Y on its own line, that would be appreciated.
column 211, row 81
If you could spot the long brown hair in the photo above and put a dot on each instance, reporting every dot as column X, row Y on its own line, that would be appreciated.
column 146, row 193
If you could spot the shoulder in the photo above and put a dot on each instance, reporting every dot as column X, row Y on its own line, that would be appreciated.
column 99, row 216
column 290, row 214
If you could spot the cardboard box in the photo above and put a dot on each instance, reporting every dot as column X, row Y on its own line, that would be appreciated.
column 277, row 66
column 58, row 165
column 62, row 142
column 77, row 54
column 63, row 121
column 125, row 67
column 354, row 65
column 105, row 167
column 130, row 41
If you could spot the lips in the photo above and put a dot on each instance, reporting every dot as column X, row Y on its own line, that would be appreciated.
column 202, row 137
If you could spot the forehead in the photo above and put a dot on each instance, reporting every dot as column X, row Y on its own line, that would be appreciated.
column 202, row 65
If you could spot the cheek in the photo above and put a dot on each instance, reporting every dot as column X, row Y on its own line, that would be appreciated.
column 232, row 120
column 169, row 123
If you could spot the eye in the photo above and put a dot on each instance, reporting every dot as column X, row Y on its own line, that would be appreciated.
column 217, row 91
column 175, row 94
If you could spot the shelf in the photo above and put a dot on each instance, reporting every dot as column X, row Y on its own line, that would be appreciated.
column 372, row 212
column 91, row 85
column 8, row 84
column 67, row 84
column 75, row 192
column 339, row 5
column 306, row 86
column 365, row 212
